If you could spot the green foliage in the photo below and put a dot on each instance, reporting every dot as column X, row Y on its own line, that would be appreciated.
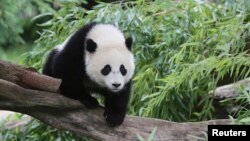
column 9, row 25
column 15, row 55
column 36, row 131
column 14, row 16
column 240, row 105
column 181, row 50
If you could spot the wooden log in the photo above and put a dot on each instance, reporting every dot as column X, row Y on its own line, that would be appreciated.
column 231, row 90
column 28, row 77
column 64, row 113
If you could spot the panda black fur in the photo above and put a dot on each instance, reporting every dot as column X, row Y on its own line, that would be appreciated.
column 95, row 59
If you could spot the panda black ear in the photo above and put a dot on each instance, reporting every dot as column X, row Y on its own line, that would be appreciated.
column 91, row 46
column 129, row 42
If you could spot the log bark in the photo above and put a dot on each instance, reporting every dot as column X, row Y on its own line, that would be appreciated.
column 28, row 77
column 231, row 90
column 17, row 93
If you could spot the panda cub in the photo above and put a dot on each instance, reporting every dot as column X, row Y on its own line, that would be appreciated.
column 95, row 59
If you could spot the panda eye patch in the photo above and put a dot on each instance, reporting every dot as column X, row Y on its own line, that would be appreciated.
column 123, row 70
column 106, row 70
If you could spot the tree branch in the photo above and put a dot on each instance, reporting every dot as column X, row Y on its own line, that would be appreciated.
column 231, row 90
column 28, row 77
column 64, row 113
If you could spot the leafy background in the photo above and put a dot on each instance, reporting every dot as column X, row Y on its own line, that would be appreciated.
column 183, row 50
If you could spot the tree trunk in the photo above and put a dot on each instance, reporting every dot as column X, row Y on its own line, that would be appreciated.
column 26, row 91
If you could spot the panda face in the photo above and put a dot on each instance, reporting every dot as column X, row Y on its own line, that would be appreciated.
column 108, row 59
column 107, row 69
column 114, row 77
column 111, row 68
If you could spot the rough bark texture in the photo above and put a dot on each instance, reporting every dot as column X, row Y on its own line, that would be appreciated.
column 64, row 113
column 28, row 77
column 231, row 90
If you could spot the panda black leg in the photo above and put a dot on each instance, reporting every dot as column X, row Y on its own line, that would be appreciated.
column 89, row 101
column 116, row 108
column 70, row 89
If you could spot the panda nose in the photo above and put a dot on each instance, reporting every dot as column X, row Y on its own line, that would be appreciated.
column 116, row 85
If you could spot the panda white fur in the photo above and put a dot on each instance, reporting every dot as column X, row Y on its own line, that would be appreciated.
column 95, row 59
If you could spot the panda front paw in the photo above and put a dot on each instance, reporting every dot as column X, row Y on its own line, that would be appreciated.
column 114, row 119
column 91, row 103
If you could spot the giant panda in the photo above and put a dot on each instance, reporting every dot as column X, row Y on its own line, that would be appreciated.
column 95, row 59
